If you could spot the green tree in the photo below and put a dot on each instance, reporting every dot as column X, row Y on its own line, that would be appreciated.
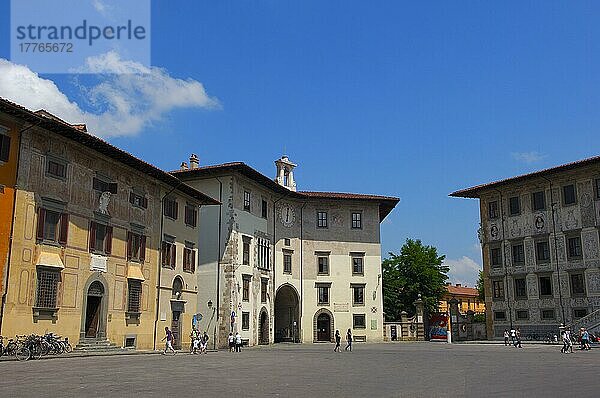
column 416, row 270
column 480, row 287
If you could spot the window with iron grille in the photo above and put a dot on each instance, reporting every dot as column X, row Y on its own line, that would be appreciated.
column 493, row 209
column 522, row 314
column 246, row 250
column 245, row 321
column 264, row 284
column 170, row 208
column 55, row 168
column 577, row 284
column 496, row 256
column 520, row 288
column 499, row 315
column 138, row 200
column 134, row 296
column 53, row 227
column 322, row 219
column 579, row 312
column 323, row 265
column 359, row 321
column 136, row 247
column 514, row 206
column 4, row 145
column 47, row 288
column 498, row 289
column 358, row 294
column 518, row 254
column 189, row 260
column 357, row 265
column 569, row 194
column 357, row 220
column 246, row 200
column 246, row 287
column 538, row 201
column 191, row 215
column 168, row 252
column 542, row 251
column 287, row 262
column 547, row 314
column 574, row 246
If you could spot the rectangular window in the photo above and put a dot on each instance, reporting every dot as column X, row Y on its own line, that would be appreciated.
column 170, row 208
column 496, row 257
column 246, row 200
column 545, row 286
column 574, row 247
column 359, row 321
column 136, row 247
column 597, row 187
column 167, row 254
column 498, row 289
column 493, row 210
column 191, row 215
column 189, row 260
column 322, row 219
column 53, row 227
column 138, row 200
column 542, row 251
column 357, row 265
column 323, row 265
column 245, row 321
column 358, row 294
column 322, row 294
column 569, row 195
column 286, row 242
column 287, row 263
column 246, row 250
column 4, row 145
column 264, row 284
column 264, row 253
column 547, row 314
column 246, row 287
column 264, row 209
column 538, row 200
column 357, row 220
column 518, row 254
column 579, row 312
column 520, row 288
column 134, row 295
column 577, row 284
column 100, row 238
column 499, row 315
column 104, row 186
column 514, row 206
column 522, row 314
column 47, row 288
column 57, row 169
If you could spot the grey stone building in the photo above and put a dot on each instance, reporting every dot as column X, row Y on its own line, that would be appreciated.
column 278, row 264
column 540, row 245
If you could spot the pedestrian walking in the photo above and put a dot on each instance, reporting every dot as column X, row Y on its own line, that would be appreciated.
column 513, row 335
column 567, row 343
column 169, row 338
column 195, row 341
column 338, row 340
column 203, row 343
column 231, row 341
column 585, row 340
column 506, row 337
column 349, row 340
column 238, row 342
column 518, row 338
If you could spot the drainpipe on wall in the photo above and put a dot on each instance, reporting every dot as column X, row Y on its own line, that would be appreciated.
column 12, row 227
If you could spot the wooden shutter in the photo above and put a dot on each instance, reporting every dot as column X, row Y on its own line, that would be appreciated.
column 40, row 225
column 4, row 147
column 129, row 242
column 92, row 236
column 185, row 259
column 64, row 228
column 193, row 267
column 142, row 248
column 176, row 209
column 173, row 254
column 145, row 202
column 108, row 240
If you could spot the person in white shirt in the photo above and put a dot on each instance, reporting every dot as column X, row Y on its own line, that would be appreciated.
column 505, row 337
column 231, row 341
column 238, row 342
column 513, row 335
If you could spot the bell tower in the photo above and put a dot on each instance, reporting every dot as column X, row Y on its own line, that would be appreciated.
column 285, row 173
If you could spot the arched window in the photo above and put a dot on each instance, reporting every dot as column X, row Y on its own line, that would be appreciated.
column 177, row 288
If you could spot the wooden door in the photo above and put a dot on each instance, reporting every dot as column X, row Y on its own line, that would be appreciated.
column 176, row 329
column 323, row 328
column 92, row 316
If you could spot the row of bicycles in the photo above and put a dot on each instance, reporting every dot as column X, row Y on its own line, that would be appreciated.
column 34, row 346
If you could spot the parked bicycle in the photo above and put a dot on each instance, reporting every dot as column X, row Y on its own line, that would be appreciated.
column 25, row 347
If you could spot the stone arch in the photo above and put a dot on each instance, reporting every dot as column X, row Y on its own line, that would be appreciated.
column 263, row 326
column 287, row 314
column 95, row 298
column 319, row 336
column 177, row 287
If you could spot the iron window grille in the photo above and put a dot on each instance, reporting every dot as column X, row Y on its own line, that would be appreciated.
column 496, row 256
column 135, row 294
column 264, row 284
column 47, row 288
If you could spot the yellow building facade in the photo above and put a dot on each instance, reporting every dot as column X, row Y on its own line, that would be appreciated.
column 468, row 299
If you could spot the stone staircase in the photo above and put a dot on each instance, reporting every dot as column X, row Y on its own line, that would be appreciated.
column 96, row 345
column 591, row 322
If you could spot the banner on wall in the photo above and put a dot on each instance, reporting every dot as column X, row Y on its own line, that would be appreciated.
column 438, row 327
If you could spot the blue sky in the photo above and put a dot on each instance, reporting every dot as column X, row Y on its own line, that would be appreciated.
column 386, row 97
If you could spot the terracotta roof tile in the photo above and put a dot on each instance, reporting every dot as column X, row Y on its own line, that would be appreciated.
column 462, row 290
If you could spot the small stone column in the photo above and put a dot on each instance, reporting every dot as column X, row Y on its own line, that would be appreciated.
column 454, row 318
column 420, row 313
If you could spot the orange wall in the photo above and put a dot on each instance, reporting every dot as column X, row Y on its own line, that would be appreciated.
column 8, row 175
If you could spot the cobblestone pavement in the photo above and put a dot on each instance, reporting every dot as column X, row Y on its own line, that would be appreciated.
column 371, row 370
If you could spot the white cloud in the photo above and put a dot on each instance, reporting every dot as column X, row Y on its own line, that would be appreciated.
column 528, row 157
column 463, row 270
column 127, row 98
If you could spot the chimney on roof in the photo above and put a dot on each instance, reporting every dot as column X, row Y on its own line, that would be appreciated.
column 458, row 285
column 183, row 166
column 194, row 161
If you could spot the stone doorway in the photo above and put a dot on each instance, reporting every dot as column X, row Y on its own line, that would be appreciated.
column 323, row 326
column 263, row 328
column 287, row 322
column 93, row 312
